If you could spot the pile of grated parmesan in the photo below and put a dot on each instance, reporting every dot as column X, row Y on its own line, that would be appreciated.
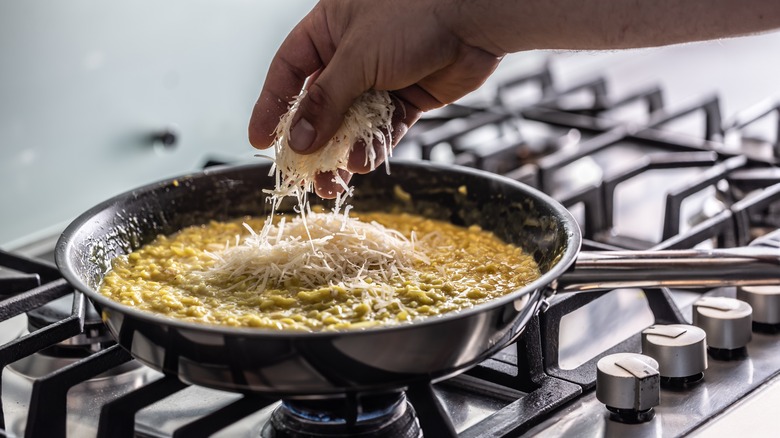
column 368, row 120
column 317, row 250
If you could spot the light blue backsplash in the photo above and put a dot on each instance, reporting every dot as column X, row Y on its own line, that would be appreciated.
column 83, row 84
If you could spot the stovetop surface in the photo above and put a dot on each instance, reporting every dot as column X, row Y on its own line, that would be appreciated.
column 624, row 182
column 681, row 411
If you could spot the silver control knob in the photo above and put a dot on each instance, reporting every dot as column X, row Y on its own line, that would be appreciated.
column 727, row 322
column 765, row 301
column 680, row 349
column 629, row 384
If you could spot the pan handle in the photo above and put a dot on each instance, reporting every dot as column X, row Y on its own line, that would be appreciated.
column 757, row 264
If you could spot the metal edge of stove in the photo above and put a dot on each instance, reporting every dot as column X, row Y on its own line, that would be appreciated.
column 761, row 404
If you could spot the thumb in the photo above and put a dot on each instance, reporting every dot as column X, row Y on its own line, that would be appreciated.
column 322, row 110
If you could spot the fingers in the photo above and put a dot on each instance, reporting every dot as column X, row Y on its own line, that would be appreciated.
column 328, row 98
column 305, row 50
column 325, row 185
column 404, row 116
column 471, row 68
column 359, row 162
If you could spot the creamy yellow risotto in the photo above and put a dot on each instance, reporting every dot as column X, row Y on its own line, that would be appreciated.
column 246, row 273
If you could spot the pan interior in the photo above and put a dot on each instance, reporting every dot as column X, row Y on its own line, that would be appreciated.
column 461, row 196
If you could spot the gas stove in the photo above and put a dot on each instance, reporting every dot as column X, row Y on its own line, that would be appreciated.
column 637, row 174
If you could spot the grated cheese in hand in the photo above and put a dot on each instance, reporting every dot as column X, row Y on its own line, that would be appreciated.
column 368, row 119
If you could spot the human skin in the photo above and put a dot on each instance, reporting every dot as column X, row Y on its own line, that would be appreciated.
column 429, row 53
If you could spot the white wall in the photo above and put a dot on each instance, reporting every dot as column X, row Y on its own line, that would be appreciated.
column 83, row 83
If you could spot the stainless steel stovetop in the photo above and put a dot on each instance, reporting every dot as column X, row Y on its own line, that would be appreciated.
column 631, row 180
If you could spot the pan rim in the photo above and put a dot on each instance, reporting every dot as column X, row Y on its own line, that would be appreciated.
column 66, row 243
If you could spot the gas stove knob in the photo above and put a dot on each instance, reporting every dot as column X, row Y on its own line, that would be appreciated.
column 765, row 301
column 629, row 385
column 727, row 323
column 681, row 352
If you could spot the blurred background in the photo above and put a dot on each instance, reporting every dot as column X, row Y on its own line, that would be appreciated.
column 99, row 97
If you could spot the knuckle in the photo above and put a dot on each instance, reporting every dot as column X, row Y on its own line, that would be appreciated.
column 317, row 100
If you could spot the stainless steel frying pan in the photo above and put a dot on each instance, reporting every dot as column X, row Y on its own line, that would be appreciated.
column 377, row 359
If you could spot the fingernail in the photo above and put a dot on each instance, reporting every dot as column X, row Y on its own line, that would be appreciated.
column 302, row 135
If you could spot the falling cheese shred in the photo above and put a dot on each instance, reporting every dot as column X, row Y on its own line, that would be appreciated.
column 316, row 250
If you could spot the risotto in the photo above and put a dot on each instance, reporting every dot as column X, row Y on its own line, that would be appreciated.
column 193, row 275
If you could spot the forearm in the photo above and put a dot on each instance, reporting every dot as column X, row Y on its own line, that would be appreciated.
column 504, row 26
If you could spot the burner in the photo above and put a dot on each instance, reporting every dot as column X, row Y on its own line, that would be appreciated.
column 383, row 415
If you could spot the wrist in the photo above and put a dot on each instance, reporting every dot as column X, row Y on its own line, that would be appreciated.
column 495, row 26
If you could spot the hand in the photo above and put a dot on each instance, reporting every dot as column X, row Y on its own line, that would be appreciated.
column 414, row 48
column 433, row 52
